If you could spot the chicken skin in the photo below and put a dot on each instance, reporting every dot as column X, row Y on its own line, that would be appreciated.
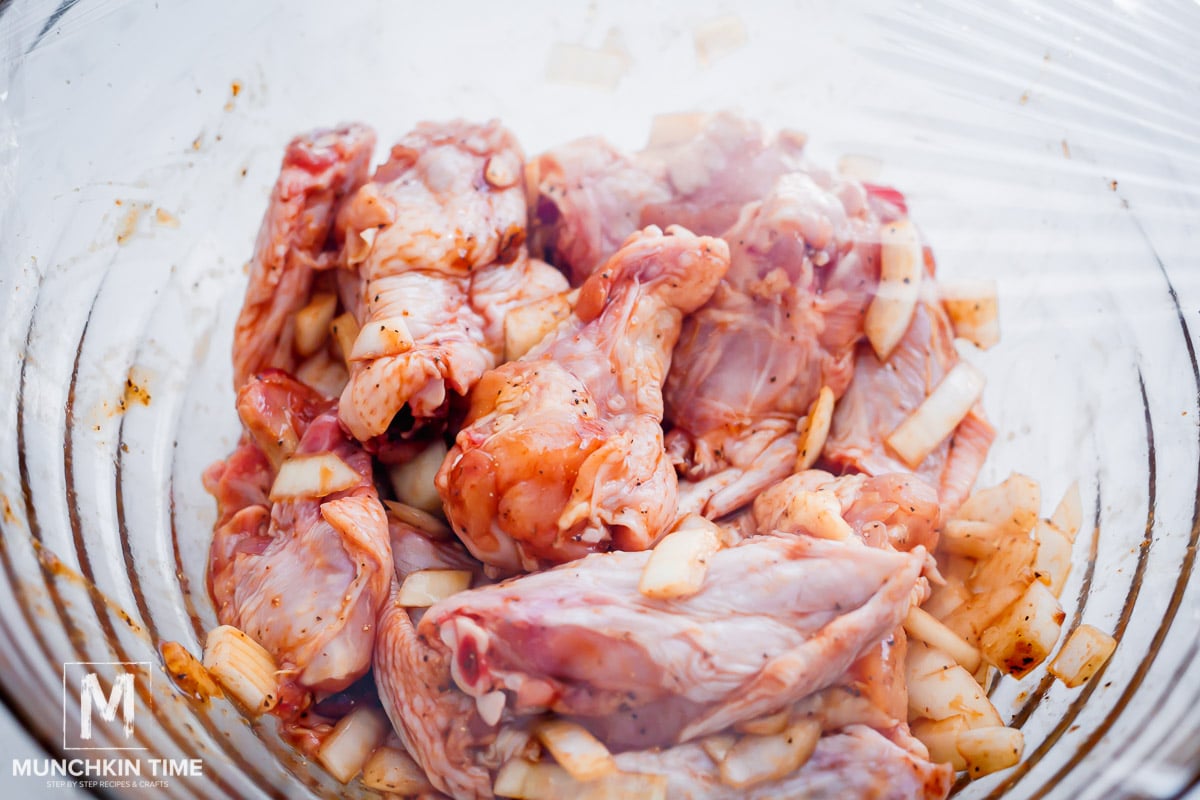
column 561, row 453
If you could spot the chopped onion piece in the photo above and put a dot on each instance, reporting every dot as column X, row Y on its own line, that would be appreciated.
column 974, row 616
column 758, row 759
column 718, row 38
column 380, row 338
column 527, row 325
column 1053, row 562
column 345, row 330
column 819, row 513
column 678, row 564
column 814, row 430
column 938, row 415
column 991, row 749
column 921, row 625
column 423, row 521
column 1022, row 637
column 358, row 245
column 765, row 726
column 969, row 537
column 668, row 129
column 413, row 480
column 390, row 769
column 983, row 675
column 860, row 167
column 491, row 706
column 425, row 587
column 972, row 308
column 718, row 745
column 1012, row 561
column 525, row 780
column 353, row 739
column 572, row 63
column 940, row 737
column 944, row 599
column 939, row 689
column 324, row 372
column 576, row 750
column 1085, row 651
column 313, row 476
column 243, row 667
column 902, row 265
column 312, row 323
column 1012, row 505
column 1068, row 516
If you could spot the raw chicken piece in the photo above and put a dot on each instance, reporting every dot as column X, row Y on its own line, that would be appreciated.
column 414, row 550
column 882, row 395
column 804, row 266
column 296, row 238
column 309, row 586
column 240, row 482
column 856, row 764
column 896, row 510
column 590, row 196
column 437, row 236
column 561, row 453
column 589, row 200
column 437, row 723
column 728, row 162
column 276, row 410
column 778, row 618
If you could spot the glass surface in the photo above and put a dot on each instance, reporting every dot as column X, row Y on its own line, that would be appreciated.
column 1054, row 146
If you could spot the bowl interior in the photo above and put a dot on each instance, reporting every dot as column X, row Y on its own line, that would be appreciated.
column 1050, row 146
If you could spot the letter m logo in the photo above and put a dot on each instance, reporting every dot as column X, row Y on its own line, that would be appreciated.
column 91, row 698
column 106, row 702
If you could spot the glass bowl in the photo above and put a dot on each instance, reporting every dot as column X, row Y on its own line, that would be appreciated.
column 1053, row 146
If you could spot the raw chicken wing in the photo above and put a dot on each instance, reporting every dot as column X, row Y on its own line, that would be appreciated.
column 777, row 618
column 428, row 234
column 295, row 240
column 561, row 453
column 804, row 265
column 591, row 196
column 309, row 585
column 884, row 394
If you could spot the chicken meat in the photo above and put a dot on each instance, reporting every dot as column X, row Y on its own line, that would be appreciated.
column 325, row 560
column 857, row 762
column 750, row 363
column 881, row 395
column 437, row 723
column 589, row 196
column 297, row 239
column 897, row 510
column 437, row 238
column 561, row 453
column 777, row 618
